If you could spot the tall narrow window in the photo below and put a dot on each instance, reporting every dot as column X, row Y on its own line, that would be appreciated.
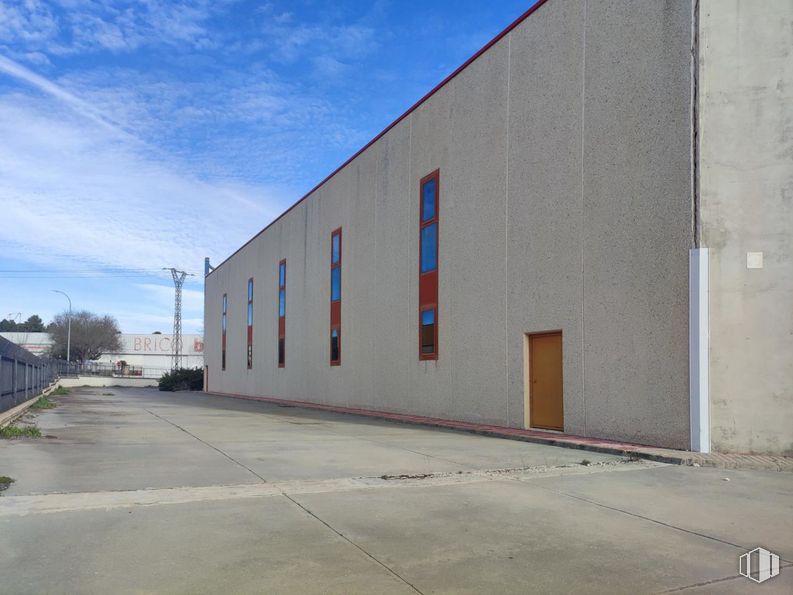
column 282, row 313
column 335, row 298
column 250, row 323
column 223, row 331
column 429, row 189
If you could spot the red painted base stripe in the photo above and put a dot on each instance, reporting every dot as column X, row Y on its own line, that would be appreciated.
column 555, row 439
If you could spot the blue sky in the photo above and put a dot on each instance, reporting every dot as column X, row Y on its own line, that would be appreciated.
column 142, row 135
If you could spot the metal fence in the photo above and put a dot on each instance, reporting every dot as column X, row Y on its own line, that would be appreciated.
column 22, row 374
column 111, row 370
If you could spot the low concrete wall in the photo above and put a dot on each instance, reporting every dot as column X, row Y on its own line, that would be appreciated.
column 100, row 381
column 7, row 417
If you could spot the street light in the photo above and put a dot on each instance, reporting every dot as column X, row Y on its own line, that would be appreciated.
column 69, row 327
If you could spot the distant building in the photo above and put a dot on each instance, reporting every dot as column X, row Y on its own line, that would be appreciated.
column 152, row 353
column 147, row 356
column 586, row 228
column 37, row 343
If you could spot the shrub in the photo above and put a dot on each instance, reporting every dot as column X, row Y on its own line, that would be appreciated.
column 182, row 379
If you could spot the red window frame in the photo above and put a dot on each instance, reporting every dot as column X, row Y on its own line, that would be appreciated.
column 428, row 281
column 224, row 326
column 249, row 315
column 281, row 348
column 335, row 305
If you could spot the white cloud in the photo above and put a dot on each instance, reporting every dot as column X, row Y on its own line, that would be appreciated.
column 30, row 22
column 291, row 42
column 80, row 26
column 84, row 108
column 66, row 172
column 192, row 299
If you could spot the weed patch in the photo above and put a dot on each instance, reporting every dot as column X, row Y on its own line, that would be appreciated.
column 5, row 482
column 14, row 431
column 60, row 391
column 43, row 403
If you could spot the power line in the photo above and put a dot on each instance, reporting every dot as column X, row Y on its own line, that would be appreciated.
column 98, row 276
column 91, row 270
column 81, row 273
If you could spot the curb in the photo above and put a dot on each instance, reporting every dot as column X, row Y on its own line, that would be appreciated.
column 602, row 446
column 10, row 416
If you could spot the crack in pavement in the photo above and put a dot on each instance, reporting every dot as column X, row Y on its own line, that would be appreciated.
column 711, row 582
column 296, row 503
column 743, row 548
column 652, row 520
column 230, row 458
column 351, row 542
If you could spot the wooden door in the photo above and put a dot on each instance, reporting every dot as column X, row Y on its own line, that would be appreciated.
column 546, row 404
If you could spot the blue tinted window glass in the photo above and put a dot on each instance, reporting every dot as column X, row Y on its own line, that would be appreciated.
column 282, row 302
column 250, row 314
column 429, row 249
column 282, row 274
column 334, row 345
column 429, row 200
column 335, row 284
column 336, row 249
column 428, row 317
column 250, row 289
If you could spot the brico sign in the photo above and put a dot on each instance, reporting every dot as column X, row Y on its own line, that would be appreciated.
column 160, row 344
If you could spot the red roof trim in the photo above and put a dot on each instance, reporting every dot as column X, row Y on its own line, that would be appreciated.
column 410, row 110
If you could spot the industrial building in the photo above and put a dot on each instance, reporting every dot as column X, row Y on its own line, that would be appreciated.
column 146, row 356
column 586, row 228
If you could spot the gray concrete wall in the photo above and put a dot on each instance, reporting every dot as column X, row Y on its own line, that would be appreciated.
column 106, row 381
column 564, row 157
column 746, row 185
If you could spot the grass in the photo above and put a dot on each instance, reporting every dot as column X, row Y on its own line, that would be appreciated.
column 5, row 482
column 14, row 431
column 43, row 403
column 60, row 391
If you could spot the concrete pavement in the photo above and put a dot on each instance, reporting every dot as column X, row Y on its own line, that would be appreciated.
column 137, row 491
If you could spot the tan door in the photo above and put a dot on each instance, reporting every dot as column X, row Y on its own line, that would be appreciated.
column 546, row 407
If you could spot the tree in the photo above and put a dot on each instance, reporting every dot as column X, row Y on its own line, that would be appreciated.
column 33, row 324
column 92, row 335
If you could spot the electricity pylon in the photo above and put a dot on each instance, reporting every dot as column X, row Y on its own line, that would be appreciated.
column 176, row 339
